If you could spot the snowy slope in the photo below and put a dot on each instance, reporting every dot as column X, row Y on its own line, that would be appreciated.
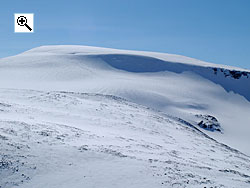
column 49, row 89
column 66, row 139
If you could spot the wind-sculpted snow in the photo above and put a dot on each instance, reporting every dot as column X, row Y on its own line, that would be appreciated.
column 68, row 139
column 177, row 85
column 78, row 116
column 230, row 80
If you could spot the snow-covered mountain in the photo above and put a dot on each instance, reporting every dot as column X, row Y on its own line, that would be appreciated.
column 78, row 116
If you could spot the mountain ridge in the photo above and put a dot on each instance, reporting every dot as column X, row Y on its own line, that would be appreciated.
column 65, row 109
column 88, row 50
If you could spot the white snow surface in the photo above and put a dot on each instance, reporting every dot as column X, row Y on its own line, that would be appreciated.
column 79, row 116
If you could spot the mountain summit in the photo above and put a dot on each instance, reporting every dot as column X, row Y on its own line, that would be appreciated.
column 106, row 117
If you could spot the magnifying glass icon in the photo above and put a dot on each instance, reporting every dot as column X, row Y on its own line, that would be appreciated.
column 22, row 21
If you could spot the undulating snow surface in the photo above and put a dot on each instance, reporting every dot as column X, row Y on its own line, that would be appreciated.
column 77, row 116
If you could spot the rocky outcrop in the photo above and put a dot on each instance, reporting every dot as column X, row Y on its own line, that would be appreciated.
column 209, row 123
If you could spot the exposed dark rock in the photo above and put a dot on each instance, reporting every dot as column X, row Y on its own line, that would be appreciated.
column 236, row 74
column 215, row 70
column 209, row 122
column 232, row 73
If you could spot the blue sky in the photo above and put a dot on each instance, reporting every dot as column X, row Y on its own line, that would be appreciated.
column 216, row 31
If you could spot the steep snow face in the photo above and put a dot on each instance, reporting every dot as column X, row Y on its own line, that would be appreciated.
column 68, row 139
column 230, row 80
column 177, row 85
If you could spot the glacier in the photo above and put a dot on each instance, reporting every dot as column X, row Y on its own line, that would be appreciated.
column 74, row 116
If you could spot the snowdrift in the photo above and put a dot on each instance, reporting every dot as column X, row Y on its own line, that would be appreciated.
column 202, row 107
